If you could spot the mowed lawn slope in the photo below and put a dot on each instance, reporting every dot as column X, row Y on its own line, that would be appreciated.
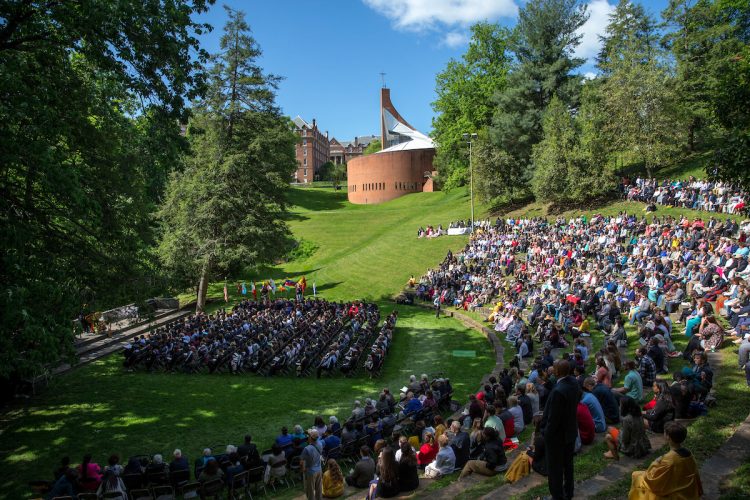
column 362, row 251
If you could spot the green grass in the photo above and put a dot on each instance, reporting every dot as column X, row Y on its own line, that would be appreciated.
column 101, row 409
column 738, row 486
column 538, row 209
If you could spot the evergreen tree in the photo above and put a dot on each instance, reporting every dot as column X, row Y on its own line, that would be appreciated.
column 543, row 43
column 638, row 92
column 710, row 41
column 465, row 91
column 225, row 209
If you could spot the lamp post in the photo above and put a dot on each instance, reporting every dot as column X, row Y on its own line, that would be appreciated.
column 469, row 138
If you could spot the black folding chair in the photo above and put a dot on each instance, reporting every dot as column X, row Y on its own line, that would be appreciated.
column 255, row 477
column 88, row 496
column 238, row 486
column 142, row 494
column 212, row 489
column 164, row 493
column 179, row 478
column 191, row 490
column 133, row 481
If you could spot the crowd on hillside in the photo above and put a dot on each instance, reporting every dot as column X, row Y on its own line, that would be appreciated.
column 693, row 194
column 388, row 426
column 269, row 337
column 552, row 284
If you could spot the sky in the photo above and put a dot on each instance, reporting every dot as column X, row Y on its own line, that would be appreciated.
column 331, row 52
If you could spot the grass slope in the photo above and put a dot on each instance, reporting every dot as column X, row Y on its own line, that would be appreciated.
column 360, row 251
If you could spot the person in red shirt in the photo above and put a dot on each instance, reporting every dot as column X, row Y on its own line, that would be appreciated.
column 585, row 424
column 428, row 451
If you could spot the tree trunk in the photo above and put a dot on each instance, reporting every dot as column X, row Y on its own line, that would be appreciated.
column 200, row 304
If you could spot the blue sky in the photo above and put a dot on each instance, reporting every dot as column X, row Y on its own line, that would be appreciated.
column 331, row 52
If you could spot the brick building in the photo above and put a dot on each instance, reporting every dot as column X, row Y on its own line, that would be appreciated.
column 343, row 151
column 312, row 150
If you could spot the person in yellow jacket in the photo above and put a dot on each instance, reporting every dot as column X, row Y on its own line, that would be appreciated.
column 673, row 476
column 333, row 480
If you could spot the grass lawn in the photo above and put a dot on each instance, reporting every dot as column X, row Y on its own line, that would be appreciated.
column 101, row 410
column 350, row 252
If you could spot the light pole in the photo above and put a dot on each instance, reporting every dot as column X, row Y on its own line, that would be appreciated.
column 469, row 138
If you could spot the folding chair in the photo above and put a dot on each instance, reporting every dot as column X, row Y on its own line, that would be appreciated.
column 115, row 495
column 212, row 489
column 88, row 496
column 142, row 494
column 164, row 493
column 179, row 478
column 158, row 479
column 238, row 486
column 191, row 490
column 40, row 488
column 133, row 481
column 63, row 498
column 255, row 477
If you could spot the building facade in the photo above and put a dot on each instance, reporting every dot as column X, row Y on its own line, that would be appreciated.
column 343, row 151
column 404, row 166
column 312, row 150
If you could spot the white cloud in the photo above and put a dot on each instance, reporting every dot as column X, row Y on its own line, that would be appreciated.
column 420, row 15
column 455, row 39
column 599, row 11
column 589, row 75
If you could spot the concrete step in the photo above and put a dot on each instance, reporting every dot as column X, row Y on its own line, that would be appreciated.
column 120, row 327
column 106, row 346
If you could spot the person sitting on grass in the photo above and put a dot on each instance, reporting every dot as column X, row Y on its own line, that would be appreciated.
column 428, row 451
column 595, row 408
column 408, row 475
column 386, row 485
column 673, row 475
column 663, row 410
column 461, row 444
column 631, row 440
column 65, row 485
column 445, row 460
column 333, row 480
column 586, row 430
column 492, row 461
column 632, row 385
column 364, row 470
column 517, row 413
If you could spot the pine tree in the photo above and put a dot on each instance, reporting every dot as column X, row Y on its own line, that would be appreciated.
column 638, row 91
column 543, row 43
column 225, row 209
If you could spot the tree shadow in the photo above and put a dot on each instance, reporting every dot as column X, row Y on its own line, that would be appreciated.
column 316, row 199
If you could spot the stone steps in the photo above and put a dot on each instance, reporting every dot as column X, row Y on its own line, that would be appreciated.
column 107, row 345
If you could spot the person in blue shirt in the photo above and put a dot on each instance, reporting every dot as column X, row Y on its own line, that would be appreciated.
column 595, row 408
column 285, row 440
column 413, row 405
column 331, row 445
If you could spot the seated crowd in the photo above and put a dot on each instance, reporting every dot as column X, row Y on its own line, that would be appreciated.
column 381, row 422
column 552, row 284
column 268, row 337
column 693, row 193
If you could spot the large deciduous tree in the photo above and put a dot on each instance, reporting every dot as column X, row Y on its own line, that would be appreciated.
column 76, row 167
column 224, row 210
column 464, row 103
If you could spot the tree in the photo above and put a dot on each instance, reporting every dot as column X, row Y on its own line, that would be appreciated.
column 338, row 174
column 465, row 91
column 571, row 161
column 374, row 146
column 638, row 91
column 710, row 43
column 543, row 42
column 84, row 86
column 226, row 208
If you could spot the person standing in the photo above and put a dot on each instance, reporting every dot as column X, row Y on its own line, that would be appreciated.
column 560, row 429
column 311, row 468
column 436, row 303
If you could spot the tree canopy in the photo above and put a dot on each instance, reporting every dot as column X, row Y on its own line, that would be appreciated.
column 90, row 97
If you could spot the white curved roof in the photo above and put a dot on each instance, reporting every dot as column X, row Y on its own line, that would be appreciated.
column 409, row 139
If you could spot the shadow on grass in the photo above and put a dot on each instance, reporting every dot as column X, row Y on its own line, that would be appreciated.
column 316, row 199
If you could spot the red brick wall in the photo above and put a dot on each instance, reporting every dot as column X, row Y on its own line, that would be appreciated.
column 381, row 177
